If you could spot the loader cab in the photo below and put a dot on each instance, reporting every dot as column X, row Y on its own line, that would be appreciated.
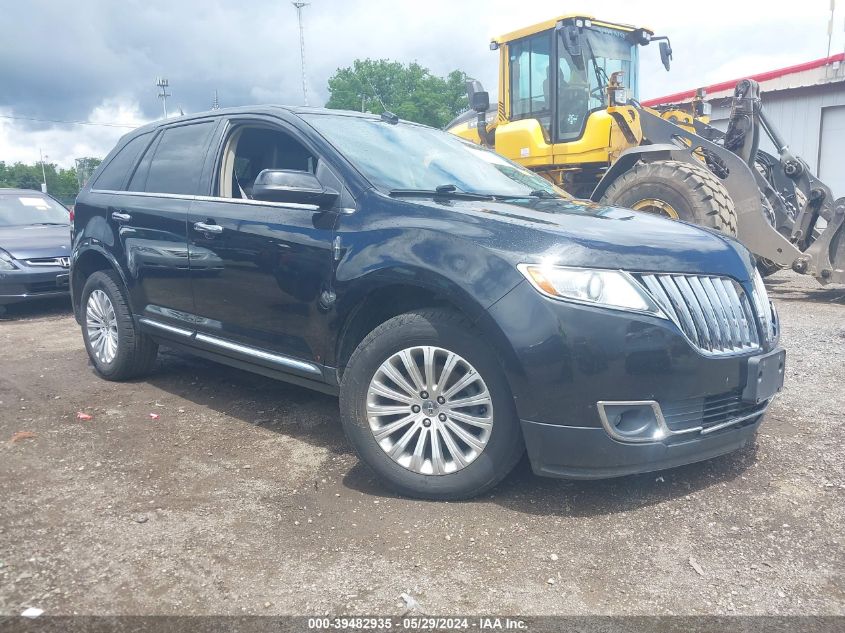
column 565, row 86
column 559, row 76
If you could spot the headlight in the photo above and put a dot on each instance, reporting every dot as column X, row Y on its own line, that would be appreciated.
column 608, row 288
column 764, row 308
column 6, row 261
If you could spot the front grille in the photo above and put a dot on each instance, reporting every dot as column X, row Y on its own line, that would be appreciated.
column 713, row 312
column 54, row 262
column 708, row 411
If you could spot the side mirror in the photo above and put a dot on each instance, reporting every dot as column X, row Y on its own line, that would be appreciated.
column 666, row 54
column 570, row 36
column 289, row 185
column 479, row 99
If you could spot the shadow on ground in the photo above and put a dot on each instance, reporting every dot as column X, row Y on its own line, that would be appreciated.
column 313, row 418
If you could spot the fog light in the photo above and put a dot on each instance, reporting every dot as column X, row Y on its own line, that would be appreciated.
column 639, row 421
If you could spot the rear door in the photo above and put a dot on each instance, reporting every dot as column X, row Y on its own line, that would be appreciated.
column 152, row 217
column 262, row 271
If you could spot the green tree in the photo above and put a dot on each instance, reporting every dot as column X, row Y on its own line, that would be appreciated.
column 409, row 91
column 62, row 183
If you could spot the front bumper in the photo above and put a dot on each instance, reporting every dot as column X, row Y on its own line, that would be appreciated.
column 587, row 453
column 565, row 359
column 25, row 284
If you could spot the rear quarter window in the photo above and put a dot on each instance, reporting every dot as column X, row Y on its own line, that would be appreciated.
column 114, row 174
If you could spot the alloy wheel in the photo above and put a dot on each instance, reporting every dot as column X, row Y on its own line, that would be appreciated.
column 101, row 324
column 429, row 410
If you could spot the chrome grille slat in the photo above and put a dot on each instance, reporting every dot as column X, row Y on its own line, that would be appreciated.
column 729, row 310
column 714, row 313
column 697, row 312
column 687, row 324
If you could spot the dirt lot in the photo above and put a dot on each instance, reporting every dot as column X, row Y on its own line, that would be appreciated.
column 244, row 497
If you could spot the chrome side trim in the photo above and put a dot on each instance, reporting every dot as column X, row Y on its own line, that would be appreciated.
column 178, row 196
column 257, row 353
column 167, row 328
column 262, row 203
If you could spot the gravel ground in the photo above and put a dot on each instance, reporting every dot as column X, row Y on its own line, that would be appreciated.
column 243, row 497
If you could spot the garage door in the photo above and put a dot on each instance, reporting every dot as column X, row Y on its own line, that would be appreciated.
column 832, row 146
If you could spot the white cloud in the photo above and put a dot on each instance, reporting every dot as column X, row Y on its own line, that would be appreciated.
column 62, row 143
column 103, row 56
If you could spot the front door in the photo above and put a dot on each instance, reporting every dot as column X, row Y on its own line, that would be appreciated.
column 261, row 271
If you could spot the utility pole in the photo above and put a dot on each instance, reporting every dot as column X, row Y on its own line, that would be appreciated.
column 43, row 172
column 299, row 6
column 830, row 26
column 162, row 84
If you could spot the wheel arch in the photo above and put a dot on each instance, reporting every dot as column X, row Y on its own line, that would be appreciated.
column 628, row 158
column 376, row 301
column 85, row 262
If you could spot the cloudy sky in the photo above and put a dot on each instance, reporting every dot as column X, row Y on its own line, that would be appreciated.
column 96, row 60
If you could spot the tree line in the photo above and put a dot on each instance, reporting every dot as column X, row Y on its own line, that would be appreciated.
column 410, row 91
column 62, row 183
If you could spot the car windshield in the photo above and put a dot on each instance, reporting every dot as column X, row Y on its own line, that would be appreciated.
column 26, row 209
column 414, row 157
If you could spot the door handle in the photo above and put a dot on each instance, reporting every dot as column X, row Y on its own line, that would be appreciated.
column 119, row 216
column 202, row 227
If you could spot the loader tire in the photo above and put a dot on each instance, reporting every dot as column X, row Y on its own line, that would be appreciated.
column 675, row 189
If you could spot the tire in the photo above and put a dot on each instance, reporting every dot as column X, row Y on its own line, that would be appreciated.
column 427, row 477
column 767, row 267
column 133, row 353
column 691, row 191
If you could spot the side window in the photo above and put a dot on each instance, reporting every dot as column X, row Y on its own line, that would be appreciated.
column 177, row 163
column 530, row 78
column 114, row 175
column 250, row 150
column 138, row 182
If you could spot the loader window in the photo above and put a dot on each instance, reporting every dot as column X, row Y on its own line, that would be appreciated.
column 530, row 79
column 582, row 83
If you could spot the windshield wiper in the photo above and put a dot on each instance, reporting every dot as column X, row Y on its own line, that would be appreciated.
column 50, row 224
column 537, row 193
column 443, row 191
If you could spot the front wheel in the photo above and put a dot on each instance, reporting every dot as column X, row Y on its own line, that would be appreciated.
column 677, row 190
column 426, row 405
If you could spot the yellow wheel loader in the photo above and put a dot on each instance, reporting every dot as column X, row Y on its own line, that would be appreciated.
column 568, row 109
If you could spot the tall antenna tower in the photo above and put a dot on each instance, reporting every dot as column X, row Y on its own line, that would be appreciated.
column 299, row 6
column 162, row 85
column 215, row 105
column 830, row 26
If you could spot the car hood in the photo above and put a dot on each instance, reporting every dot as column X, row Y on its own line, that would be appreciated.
column 581, row 233
column 31, row 242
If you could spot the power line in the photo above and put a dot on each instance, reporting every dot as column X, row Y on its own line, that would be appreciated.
column 30, row 118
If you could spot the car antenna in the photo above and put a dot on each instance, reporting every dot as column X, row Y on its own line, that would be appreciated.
column 386, row 115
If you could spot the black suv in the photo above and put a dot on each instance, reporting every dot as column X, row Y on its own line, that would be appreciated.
column 463, row 308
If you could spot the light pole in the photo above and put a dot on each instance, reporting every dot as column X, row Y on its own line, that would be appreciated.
column 43, row 172
column 162, row 84
column 299, row 6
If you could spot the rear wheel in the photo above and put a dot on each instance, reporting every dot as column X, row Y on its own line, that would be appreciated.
column 425, row 404
column 117, row 349
column 677, row 190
